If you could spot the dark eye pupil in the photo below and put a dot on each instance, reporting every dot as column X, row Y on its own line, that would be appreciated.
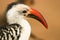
column 24, row 11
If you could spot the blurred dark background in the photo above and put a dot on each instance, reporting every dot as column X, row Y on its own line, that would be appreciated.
column 50, row 10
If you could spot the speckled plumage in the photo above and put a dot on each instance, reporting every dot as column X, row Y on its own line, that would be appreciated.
column 10, row 32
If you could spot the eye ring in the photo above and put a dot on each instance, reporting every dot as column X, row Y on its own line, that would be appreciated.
column 24, row 11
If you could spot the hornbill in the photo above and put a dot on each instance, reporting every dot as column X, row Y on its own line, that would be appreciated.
column 17, row 27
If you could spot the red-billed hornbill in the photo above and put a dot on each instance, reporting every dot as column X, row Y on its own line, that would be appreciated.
column 18, row 27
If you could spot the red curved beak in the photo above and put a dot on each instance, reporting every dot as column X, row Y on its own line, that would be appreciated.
column 37, row 15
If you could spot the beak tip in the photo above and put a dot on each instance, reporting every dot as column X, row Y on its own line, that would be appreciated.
column 46, row 26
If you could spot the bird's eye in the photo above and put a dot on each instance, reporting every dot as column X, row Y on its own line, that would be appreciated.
column 24, row 11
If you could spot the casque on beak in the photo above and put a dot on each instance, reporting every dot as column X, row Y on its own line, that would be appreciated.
column 37, row 15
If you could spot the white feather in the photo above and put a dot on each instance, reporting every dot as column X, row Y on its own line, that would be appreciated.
column 14, row 17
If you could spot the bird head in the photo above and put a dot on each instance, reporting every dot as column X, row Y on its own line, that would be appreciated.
column 17, row 10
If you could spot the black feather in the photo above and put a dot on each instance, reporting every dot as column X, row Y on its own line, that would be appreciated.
column 7, row 32
column 10, row 5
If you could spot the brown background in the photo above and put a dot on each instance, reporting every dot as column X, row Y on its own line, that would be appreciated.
column 50, row 10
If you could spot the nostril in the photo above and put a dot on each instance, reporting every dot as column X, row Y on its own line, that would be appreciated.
column 24, row 14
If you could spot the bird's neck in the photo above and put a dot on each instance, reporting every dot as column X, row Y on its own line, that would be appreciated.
column 26, row 30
